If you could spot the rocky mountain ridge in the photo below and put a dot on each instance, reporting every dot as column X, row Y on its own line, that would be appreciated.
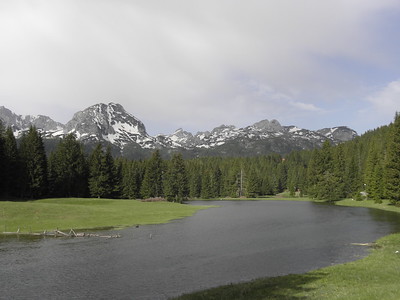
column 113, row 124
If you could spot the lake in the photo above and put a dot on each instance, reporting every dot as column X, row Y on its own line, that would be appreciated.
column 238, row 241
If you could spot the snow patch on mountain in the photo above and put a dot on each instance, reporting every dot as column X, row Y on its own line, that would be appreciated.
column 112, row 123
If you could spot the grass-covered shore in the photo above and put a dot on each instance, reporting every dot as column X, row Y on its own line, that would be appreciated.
column 374, row 277
column 80, row 213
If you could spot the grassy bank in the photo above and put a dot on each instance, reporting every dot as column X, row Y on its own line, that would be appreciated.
column 49, row 214
column 374, row 277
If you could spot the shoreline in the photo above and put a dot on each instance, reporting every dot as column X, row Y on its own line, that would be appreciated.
column 370, row 277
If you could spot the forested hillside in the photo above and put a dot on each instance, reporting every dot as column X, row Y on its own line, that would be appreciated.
column 368, row 166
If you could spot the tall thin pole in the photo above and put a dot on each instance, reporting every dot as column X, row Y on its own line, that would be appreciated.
column 241, row 182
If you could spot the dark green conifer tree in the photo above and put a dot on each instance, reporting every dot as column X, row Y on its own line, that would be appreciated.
column 132, row 175
column 373, row 175
column 12, row 166
column 206, row 190
column 152, row 185
column 216, row 181
column 68, row 174
column 252, row 185
column 353, row 172
column 113, row 173
column 176, row 181
column 34, row 164
column 323, row 179
column 195, row 185
column 3, row 163
column 101, row 173
column 339, row 171
column 393, row 162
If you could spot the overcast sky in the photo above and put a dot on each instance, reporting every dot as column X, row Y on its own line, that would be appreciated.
column 200, row 64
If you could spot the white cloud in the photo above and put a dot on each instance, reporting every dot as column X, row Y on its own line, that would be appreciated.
column 187, row 63
column 386, row 101
column 306, row 106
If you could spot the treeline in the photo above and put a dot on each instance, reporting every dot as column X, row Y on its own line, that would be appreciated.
column 368, row 166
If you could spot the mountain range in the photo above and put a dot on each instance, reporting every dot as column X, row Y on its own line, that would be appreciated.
column 111, row 123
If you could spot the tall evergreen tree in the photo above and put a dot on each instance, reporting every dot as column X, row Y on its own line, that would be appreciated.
column 195, row 185
column 353, row 172
column 3, row 163
column 34, row 162
column 131, row 179
column 252, row 185
column 339, row 171
column 176, row 181
column 206, row 190
column 393, row 162
column 12, row 166
column 324, row 181
column 216, row 181
column 113, row 175
column 101, row 166
column 152, row 185
column 373, row 175
column 68, row 169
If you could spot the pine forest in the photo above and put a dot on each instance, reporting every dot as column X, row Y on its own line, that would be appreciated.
column 366, row 167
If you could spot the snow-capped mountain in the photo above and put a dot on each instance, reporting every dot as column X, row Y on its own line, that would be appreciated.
column 108, row 122
column 19, row 123
column 113, row 124
column 265, row 134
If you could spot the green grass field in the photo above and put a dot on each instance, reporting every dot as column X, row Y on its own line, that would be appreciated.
column 74, row 213
column 374, row 277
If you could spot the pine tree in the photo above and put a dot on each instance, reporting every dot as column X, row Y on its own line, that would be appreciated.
column 101, row 173
column 216, row 182
column 3, row 163
column 353, row 173
column 68, row 169
column 231, row 181
column 112, row 175
column 252, row 185
column 195, row 185
column 206, row 191
column 323, row 175
column 152, row 185
column 339, row 170
column 34, row 162
column 176, row 181
column 12, row 166
column 131, row 179
column 393, row 162
column 373, row 175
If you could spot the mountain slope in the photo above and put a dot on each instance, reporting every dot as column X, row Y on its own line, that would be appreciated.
column 111, row 123
column 108, row 122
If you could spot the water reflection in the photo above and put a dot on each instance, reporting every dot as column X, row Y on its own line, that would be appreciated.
column 387, row 217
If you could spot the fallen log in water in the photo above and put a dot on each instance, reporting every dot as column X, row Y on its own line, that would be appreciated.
column 58, row 233
column 363, row 244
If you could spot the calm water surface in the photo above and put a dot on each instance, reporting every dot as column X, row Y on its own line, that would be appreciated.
column 235, row 242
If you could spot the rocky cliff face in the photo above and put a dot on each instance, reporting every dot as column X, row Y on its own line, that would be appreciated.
column 19, row 123
column 108, row 122
column 113, row 124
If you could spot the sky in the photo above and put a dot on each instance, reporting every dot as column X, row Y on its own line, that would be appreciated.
column 198, row 64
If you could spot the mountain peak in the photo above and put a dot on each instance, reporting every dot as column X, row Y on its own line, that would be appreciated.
column 266, row 125
column 339, row 133
column 112, row 123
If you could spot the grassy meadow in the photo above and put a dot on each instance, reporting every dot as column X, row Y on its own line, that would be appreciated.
column 374, row 277
column 76, row 213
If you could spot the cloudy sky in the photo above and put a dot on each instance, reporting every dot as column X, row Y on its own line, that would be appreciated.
column 197, row 64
